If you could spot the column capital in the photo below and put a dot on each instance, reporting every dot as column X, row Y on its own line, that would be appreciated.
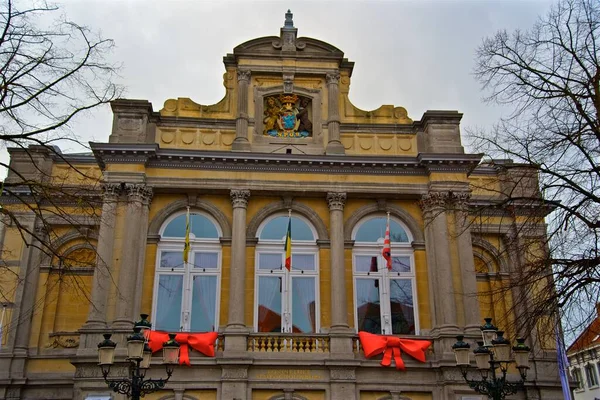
column 336, row 201
column 434, row 201
column 333, row 78
column 139, row 193
column 239, row 198
column 111, row 191
column 461, row 201
column 243, row 75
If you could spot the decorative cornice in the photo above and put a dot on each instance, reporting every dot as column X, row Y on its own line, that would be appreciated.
column 239, row 198
column 336, row 201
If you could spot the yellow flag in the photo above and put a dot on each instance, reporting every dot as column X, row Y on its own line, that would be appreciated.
column 186, row 246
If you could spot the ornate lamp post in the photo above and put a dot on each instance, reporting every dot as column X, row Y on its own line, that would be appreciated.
column 139, row 356
column 493, row 353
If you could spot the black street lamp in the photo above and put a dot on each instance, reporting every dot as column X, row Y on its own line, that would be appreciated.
column 139, row 356
column 493, row 353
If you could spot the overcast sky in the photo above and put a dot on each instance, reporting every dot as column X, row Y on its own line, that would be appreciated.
column 416, row 54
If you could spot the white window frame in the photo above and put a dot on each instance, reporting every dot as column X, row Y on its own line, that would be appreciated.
column 398, row 249
column 277, row 247
column 202, row 245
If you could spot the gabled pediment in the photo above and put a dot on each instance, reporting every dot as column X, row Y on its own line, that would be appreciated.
column 272, row 45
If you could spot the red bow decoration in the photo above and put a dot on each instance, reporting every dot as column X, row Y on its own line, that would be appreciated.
column 203, row 342
column 391, row 345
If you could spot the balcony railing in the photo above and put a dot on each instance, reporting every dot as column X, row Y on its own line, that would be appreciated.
column 288, row 343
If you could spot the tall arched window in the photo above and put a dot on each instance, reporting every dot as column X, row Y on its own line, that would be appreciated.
column 286, row 301
column 186, row 295
column 385, row 300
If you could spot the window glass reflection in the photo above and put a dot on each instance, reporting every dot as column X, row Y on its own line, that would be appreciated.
column 303, row 305
column 171, row 259
column 374, row 229
column 401, row 307
column 206, row 260
column 269, row 304
column 168, row 309
column 368, row 306
column 200, row 226
column 276, row 229
column 204, row 298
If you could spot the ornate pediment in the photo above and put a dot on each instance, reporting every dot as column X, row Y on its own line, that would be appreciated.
column 287, row 42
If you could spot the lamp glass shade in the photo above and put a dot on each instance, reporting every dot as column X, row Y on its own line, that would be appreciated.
column 106, row 355
column 482, row 360
column 135, row 349
column 106, row 350
column 462, row 356
column 522, row 358
column 170, row 355
column 502, row 352
column 145, row 363
column 488, row 332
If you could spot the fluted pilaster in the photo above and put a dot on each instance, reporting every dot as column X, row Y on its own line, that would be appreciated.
column 138, row 197
column 434, row 206
column 334, row 145
column 104, row 255
column 241, row 142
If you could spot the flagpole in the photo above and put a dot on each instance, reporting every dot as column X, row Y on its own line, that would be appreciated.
column 287, row 270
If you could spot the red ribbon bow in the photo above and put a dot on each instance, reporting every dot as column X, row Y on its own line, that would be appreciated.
column 391, row 345
column 203, row 342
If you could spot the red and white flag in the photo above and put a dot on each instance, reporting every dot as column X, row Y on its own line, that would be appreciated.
column 387, row 250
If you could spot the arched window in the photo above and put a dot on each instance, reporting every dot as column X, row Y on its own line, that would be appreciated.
column 186, row 295
column 385, row 300
column 286, row 301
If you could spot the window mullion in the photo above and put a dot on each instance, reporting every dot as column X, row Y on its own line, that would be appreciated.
column 384, row 300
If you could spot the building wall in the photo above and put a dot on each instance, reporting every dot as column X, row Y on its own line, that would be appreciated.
column 217, row 160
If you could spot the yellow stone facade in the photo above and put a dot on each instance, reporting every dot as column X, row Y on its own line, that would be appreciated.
column 352, row 166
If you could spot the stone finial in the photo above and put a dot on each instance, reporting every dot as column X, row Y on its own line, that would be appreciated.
column 289, row 19
column 288, row 33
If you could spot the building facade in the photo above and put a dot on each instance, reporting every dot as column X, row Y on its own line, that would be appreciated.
column 285, row 143
column 584, row 361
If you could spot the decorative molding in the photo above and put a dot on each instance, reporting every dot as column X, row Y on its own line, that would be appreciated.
column 65, row 340
column 394, row 210
column 239, row 198
column 336, row 201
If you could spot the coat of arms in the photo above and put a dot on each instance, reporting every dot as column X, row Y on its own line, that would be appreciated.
column 287, row 115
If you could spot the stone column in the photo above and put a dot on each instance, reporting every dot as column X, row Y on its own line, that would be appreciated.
column 241, row 142
column 437, row 244
column 141, row 263
column 237, row 280
column 104, row 256
column 339, row 320
column 137, row 199
column 467, row 265
column 25, row 296
column 334, row 145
